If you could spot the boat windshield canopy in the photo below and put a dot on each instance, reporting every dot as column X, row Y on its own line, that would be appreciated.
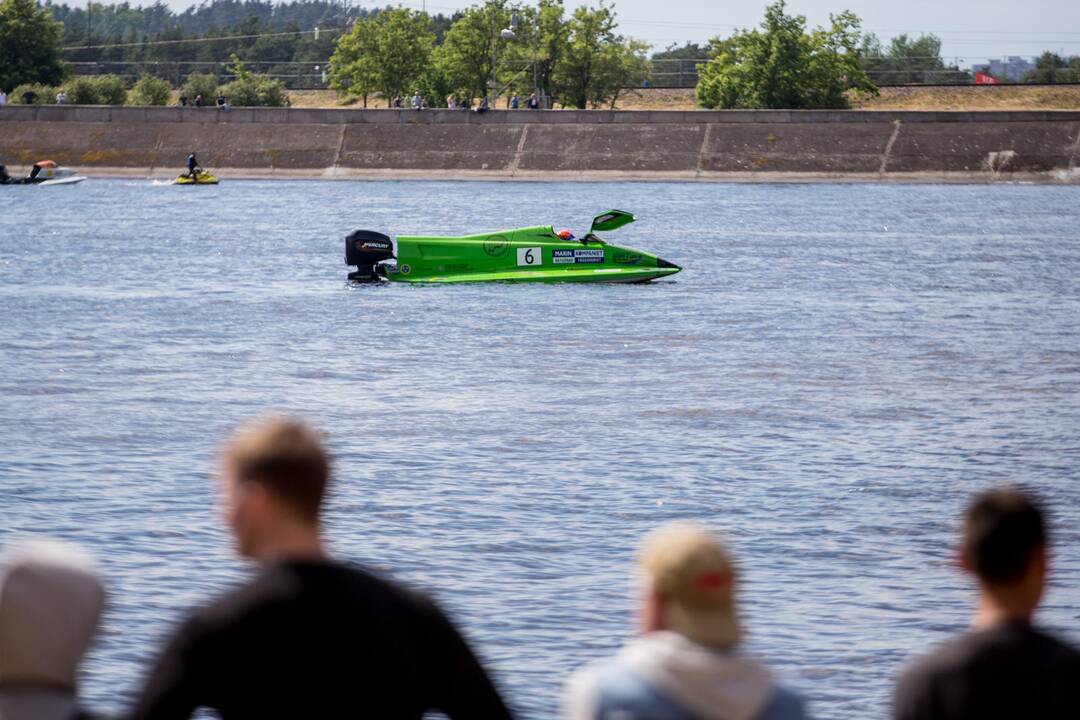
column 611, row 220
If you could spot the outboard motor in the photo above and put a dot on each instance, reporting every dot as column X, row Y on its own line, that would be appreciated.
column 365, row 249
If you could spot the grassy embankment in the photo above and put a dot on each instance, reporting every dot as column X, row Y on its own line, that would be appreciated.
column 971, row 97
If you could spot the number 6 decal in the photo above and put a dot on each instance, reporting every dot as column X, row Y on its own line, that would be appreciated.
column 530, row 256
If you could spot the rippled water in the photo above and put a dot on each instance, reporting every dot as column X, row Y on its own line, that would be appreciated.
column 834, row 372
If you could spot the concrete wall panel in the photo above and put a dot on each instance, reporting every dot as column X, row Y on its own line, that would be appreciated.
column 634, row 147
column 436, row 147
column 970, row 147
column 536, row 143
column 796, row 147
column 257, row 145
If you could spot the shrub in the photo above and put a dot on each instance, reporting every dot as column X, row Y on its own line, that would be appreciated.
column 81, row 90
column 45, row 95
column 150, row 90
column 255, row 91
column 196, row 84
column 94, row 90
column 110, row 90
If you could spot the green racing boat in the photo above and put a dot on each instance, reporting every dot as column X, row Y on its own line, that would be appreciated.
column 530, row 254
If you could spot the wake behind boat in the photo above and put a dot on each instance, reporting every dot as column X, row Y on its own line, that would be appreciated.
column 531, row 254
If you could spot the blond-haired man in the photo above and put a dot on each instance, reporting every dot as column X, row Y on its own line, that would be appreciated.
column 308, row 637
column 685, row 665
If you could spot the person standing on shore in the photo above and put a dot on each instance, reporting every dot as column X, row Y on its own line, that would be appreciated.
column 686, row 665
column 533, row 102
column 1002, row 667
column 417, row 101
column 51, row 598
column 3, row 97
column 308, row 637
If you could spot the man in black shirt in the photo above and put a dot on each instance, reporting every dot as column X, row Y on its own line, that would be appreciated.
column 308, row 636
column 1003, row 667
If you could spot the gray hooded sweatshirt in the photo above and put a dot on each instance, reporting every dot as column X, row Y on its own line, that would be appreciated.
column 51, row 598
column 665, row 676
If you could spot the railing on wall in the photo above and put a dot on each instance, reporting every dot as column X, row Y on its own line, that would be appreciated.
column 664, row 73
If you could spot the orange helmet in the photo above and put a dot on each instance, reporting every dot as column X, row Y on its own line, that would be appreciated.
column 566, row 235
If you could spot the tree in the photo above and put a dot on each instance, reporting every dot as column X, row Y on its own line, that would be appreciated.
column 904, row 61
column 1052, row 68
column 29, row 51
column 597, row 63
column 781, row 66
column 689, row 51
column 387, row 53
column 354, row 67
column 473, row 43
column 541, row 40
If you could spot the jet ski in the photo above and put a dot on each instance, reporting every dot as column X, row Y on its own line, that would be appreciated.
column 201, row 178
column 44, row 172
column 529, row 254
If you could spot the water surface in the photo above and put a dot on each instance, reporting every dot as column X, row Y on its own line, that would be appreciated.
column 835, row 371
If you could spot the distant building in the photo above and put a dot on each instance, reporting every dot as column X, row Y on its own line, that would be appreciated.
column 1011, row 68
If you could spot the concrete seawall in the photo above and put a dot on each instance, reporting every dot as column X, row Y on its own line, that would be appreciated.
column 633, row 145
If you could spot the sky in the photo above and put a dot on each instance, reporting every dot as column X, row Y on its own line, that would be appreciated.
column 970, row 30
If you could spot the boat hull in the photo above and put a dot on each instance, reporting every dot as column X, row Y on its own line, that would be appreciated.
column 203, row 178
column 524, row 255
column 62, row 180
column 599, row 275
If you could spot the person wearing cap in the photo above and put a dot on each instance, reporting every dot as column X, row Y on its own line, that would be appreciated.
column 51, row 598
column 1003, row 666
column 686, row 664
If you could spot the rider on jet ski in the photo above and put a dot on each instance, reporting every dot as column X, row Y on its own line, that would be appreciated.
column 6, row 179
column 192, row 165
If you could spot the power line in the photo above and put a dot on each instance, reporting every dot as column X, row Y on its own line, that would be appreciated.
column 205, row 39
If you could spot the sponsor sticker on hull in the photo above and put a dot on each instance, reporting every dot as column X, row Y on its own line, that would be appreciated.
column 496, row 245
column 584, row 255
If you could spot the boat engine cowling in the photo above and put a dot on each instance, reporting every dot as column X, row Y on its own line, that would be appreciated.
column 366, row 249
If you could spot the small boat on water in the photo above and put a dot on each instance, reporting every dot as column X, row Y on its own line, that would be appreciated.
column 201, row 178
column 529, row 254
column 44, row 172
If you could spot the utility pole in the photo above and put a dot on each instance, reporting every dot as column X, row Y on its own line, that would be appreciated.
column 494, row 49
